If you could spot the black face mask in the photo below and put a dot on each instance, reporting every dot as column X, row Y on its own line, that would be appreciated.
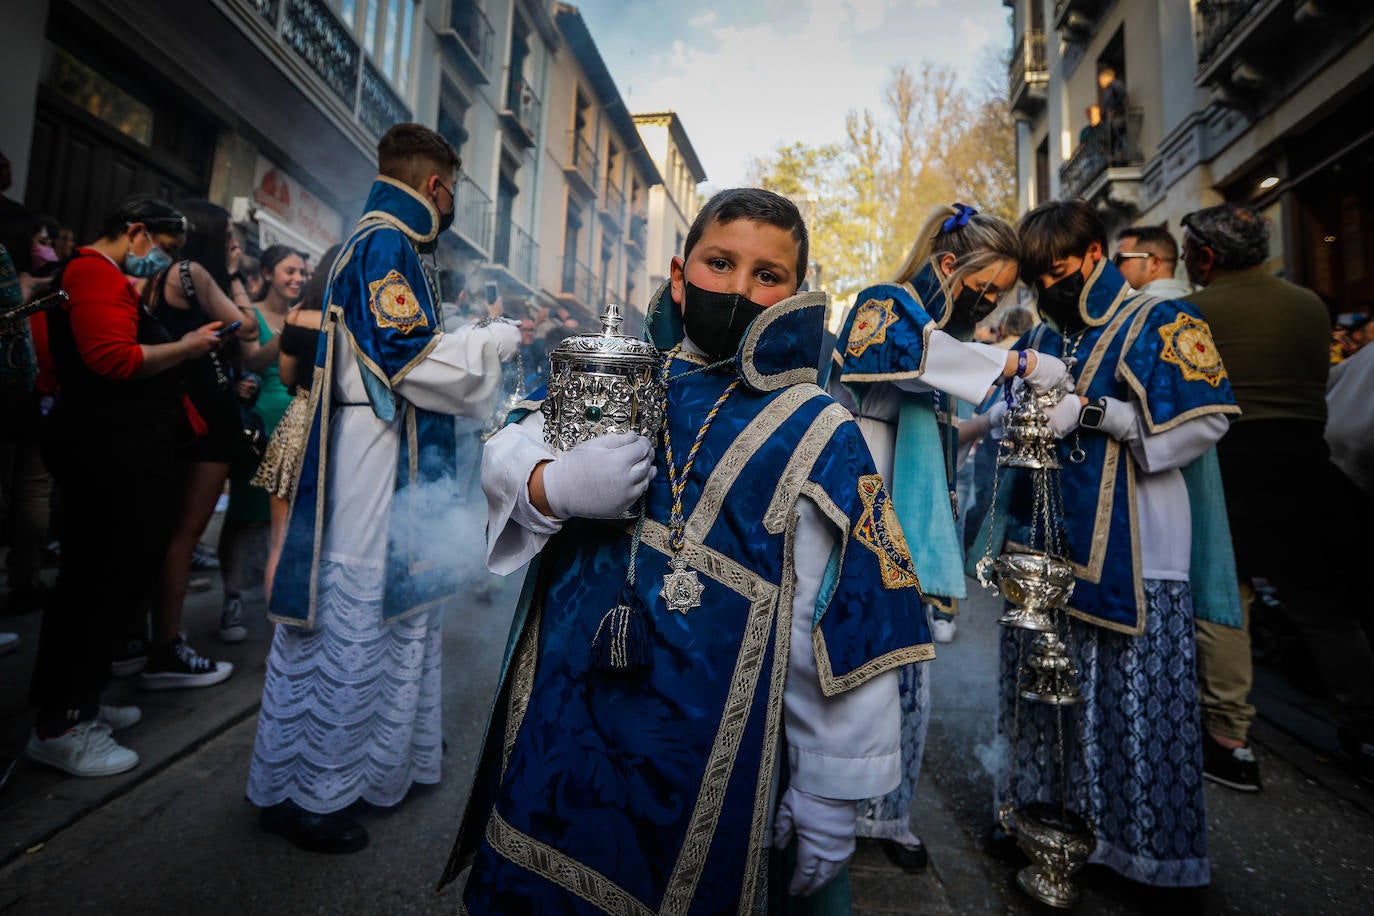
column 716, row 322
column 968, row 308
column 1059, row 301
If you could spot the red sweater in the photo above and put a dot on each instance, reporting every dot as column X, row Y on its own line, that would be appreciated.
column 103, row 309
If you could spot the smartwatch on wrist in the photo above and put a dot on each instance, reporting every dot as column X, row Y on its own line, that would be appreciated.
column 1092, row 414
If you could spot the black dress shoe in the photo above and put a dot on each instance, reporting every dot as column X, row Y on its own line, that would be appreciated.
column 910, row 859
column 335, row 832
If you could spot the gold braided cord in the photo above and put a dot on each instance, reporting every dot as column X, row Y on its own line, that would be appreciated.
column 678, row 483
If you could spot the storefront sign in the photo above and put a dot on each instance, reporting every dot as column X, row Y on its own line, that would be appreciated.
column 289, row 214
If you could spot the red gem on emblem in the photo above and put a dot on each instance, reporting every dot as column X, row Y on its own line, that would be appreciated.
column 1200, row 348
column 400, row 300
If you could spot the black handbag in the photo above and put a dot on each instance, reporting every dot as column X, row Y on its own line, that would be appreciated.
column 251, row 444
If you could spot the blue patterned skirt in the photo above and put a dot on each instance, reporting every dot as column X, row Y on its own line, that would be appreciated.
column 1134, row 745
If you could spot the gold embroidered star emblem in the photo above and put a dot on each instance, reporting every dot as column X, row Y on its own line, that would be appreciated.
column 1188, row 344
column 872, row 318
column 394, row 304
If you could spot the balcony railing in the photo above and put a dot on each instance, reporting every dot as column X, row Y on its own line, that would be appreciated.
column 472, row 209
column 615, row 200
column 475, row 31
column 1217, row 19
column 516, row 251
column 1115, row 143
column 378, row 106
column 1028, row 64
column 582, row 160
column 524, row 104
column 578, row 281
column 313, row 31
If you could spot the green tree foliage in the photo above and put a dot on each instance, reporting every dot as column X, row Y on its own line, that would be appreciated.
column 933, row 142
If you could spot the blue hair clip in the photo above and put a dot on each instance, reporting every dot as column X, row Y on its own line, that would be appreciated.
column 959, row 220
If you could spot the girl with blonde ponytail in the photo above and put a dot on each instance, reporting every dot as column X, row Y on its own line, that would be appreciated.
column 902, row 362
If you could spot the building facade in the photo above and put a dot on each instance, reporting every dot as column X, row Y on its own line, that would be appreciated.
column 273, row 109
column 1252, row 101
column 673, row 204
column 270, row 108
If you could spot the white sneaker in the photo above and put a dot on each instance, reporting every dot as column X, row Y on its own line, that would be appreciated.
column 942, row 630
column 231, row 628
column 118, row 718
column 86, row 750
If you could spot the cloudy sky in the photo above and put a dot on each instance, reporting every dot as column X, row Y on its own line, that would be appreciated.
column 749, row 75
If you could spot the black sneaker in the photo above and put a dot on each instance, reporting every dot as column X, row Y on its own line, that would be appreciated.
column 336, row 832
column 176, row 666
column 1234, row 768
column 131, row 658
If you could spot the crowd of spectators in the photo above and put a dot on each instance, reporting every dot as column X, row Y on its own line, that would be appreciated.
column 125, row 412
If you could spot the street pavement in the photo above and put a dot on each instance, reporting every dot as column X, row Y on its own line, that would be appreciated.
column 175, row 835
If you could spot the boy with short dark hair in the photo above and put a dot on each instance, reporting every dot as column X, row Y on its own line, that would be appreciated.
column 747, row 694
column 355, row 662
column 1138, row 474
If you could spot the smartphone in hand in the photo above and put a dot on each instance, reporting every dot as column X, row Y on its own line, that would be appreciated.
column 229, row 329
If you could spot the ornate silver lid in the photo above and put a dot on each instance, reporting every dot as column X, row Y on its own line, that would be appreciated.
column 607, row 351
column 603, row 383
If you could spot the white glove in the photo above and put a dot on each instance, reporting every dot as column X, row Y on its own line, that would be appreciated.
column 507, row 337
column 1064, row 415
column 1049, row 372
column 599, row 478
column 825, row 837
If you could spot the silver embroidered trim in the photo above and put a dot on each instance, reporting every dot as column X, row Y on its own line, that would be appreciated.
column 746, row 445
column 561, row 869
column 522, row 682
column 701, row 829
column 831, row 685
column 712, row 563
column 799, row 466
column 759, row 833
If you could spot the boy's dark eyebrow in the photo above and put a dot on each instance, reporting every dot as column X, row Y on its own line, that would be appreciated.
column 717, row 249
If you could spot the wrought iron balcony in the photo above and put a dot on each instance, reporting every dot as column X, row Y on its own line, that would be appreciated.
column 1217, row 19
column 472, row 37
column 1113, row 144
column 516, row 251
column 613, row 206
column 378, row 106
column 520, row 117
column 581, row 168
column 313, row 31
column 579, row 282
column 472, row 213
column 1028, row 74
column 310, row 28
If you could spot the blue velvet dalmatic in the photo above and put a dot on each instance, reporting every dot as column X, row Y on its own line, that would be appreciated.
column 654, row 790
